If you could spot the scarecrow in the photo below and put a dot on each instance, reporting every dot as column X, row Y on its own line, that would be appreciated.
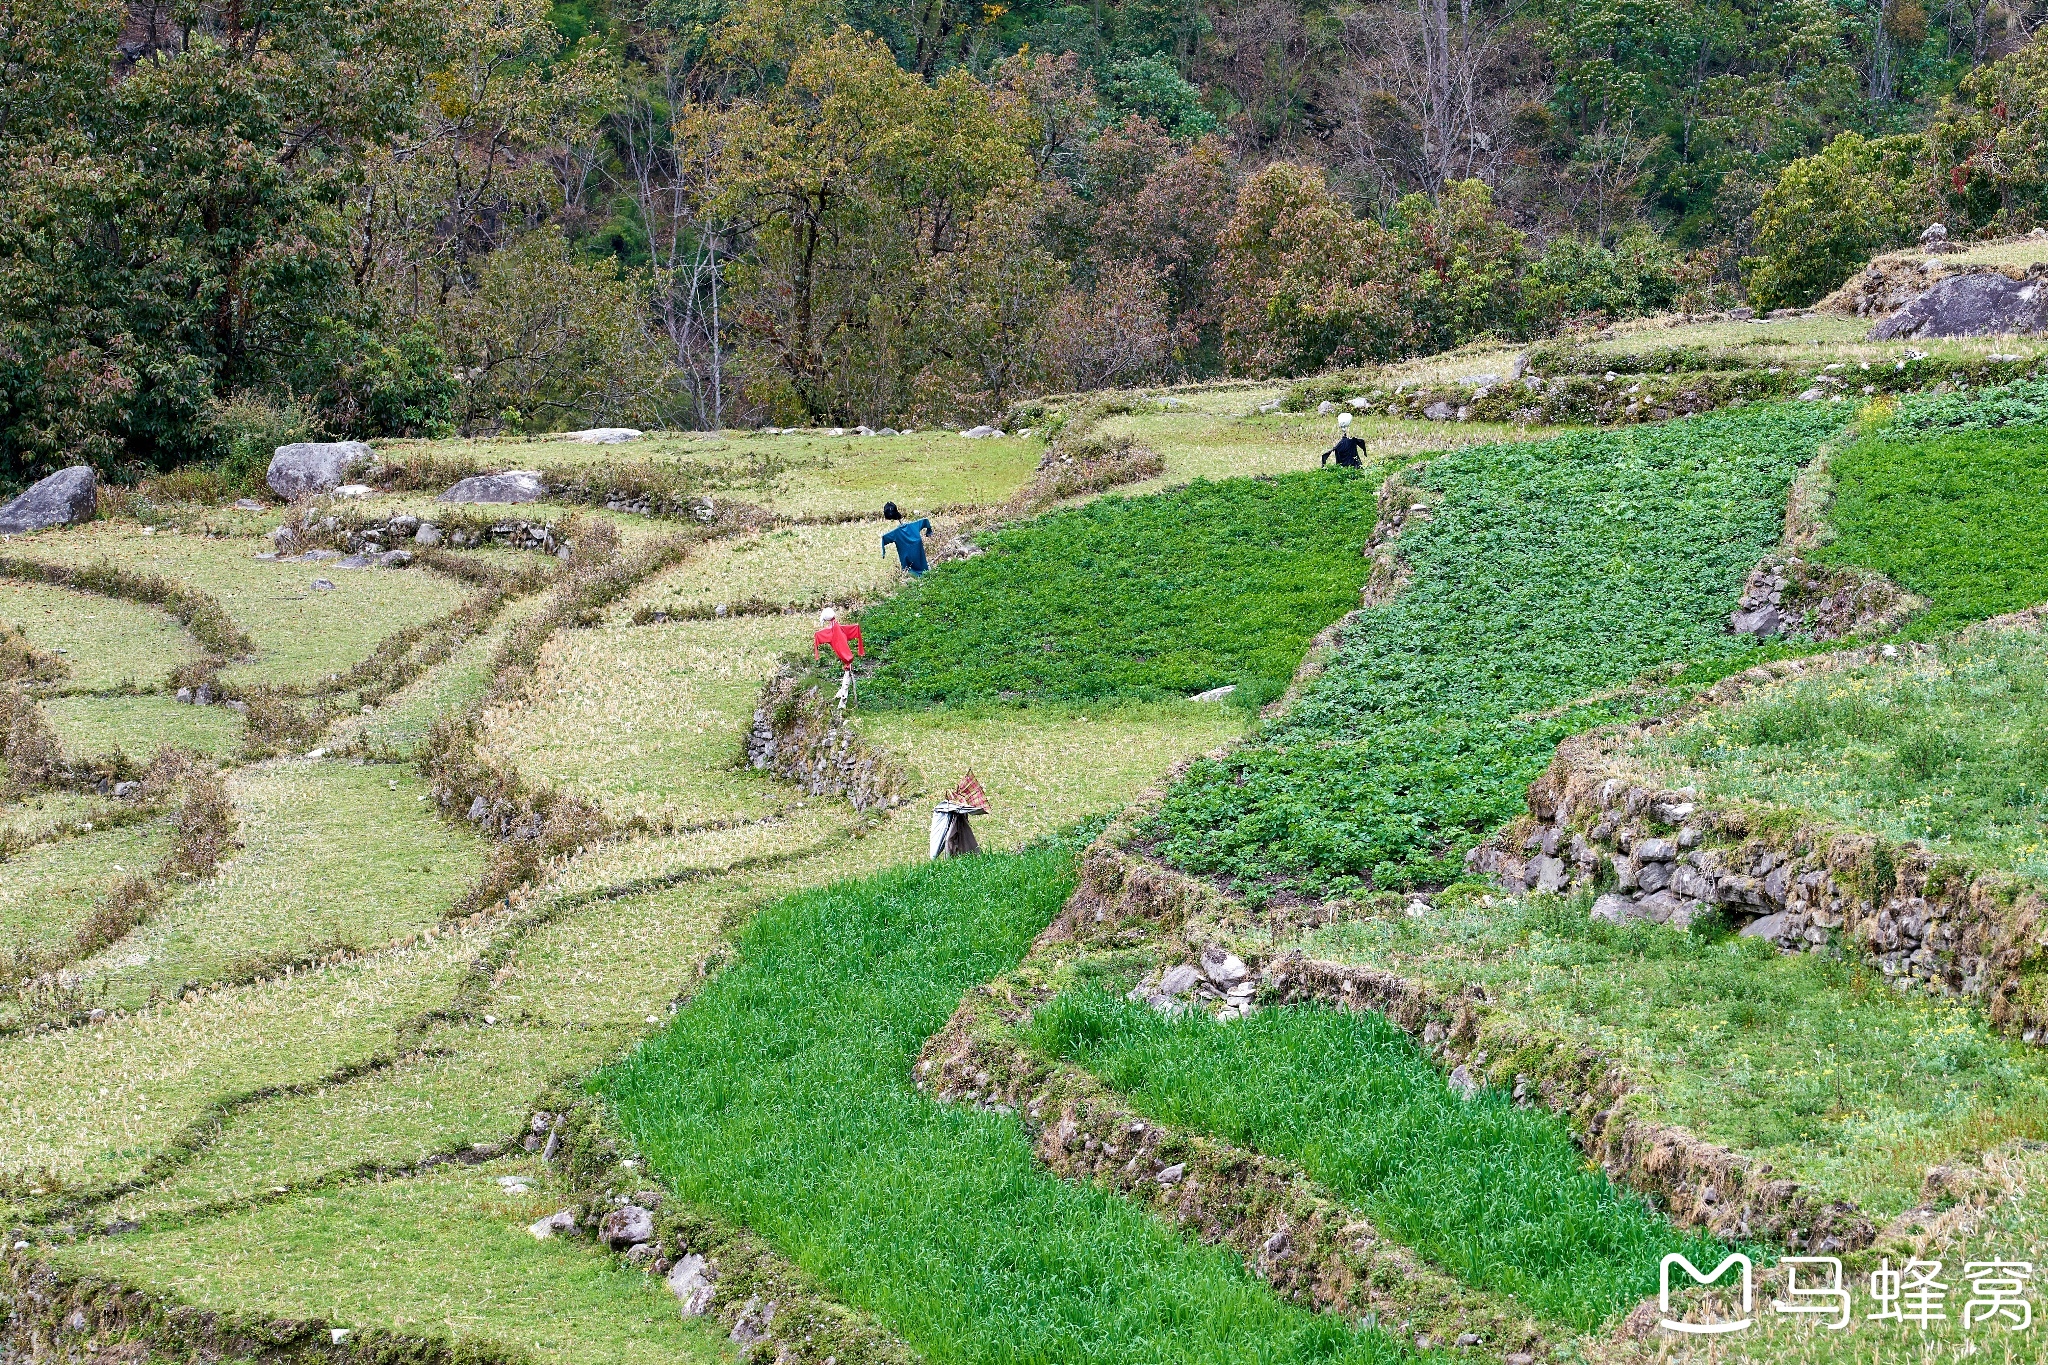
column 908, row 540
column 1347, row 451
column 843, row 639
column 951, row 835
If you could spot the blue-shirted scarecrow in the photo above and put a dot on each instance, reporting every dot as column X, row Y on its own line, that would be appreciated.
column 908, row 540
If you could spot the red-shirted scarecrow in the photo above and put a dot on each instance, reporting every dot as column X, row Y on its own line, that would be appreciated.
column 843, row 639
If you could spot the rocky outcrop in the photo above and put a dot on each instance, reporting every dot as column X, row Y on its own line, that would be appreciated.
column 63, row 499
column 800, row 735
column 513, row 485
column 1975, row 305
column 307, row 467
column 1788, row 595
column 1928, row 921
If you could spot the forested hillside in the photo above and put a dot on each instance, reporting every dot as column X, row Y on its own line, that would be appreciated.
column 225, row 224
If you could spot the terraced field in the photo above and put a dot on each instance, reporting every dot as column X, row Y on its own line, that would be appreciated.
column 487, row 916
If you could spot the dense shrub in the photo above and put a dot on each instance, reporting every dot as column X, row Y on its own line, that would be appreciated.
column 1575, row 277
column 1825, row 215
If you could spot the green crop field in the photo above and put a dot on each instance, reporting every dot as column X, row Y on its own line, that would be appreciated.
column 1211, row 585
column 1549, row 573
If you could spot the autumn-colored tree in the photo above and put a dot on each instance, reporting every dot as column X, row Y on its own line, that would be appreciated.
column 1162, row 204
column 1307, row 284
column 1990, row 142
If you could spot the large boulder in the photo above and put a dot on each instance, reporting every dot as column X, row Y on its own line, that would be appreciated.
column 67, row 496
column 514, row 485
column 306, row 467
column 604, row 436
column 1979, row 305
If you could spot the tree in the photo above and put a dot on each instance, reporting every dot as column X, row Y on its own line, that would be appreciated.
column 1818, row 224
column 167, row 213
column 1991, row 142
column 847, row 182
column 1307, row 284
column 1475, row 260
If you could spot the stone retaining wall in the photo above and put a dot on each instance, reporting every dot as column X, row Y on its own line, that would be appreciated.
column 1929, row 922
column 800, row 735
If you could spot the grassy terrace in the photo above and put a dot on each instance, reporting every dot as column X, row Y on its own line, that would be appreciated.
column 446, row 1252
column 1955, row 516
column 304, row 883
column 298, row 638
column 1497, row 1195
column 1813, row 1065
column 1947, row 746
column 107, row 643
column 1549, row 573
column 807, row 474
column 781, row 1095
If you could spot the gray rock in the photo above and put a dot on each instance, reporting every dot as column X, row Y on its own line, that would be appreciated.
column 553, row 1224
column 64, row 498
column 1215, row 693
column 754, row 1321
column 428, row 534
column 354, row 490
column 977, row 433
column 355, row 562
column 1653, row 876
column 604, row 436
column 1690, row 882
column 1614, row 909
column 1550, row 874
column 1761, row 622
column 625, row 1227
column 478, row 809
column 1985, row 304
column 323, row 585
column 1439, row 411
column 124, row 790
column 1464, row 1082
column 1172, row 1174
column 395, row 559
column 1179, row 980
column 1325, row 408
column 185, row 695
column 1665, row 908
column 514, row 485
column 1935, row 232
column 1767, row 926
column 1813, row 395
column 692, row 1282
column 248, row 505
column 1655, row 850
column 1224, row 968
column 307, row 467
